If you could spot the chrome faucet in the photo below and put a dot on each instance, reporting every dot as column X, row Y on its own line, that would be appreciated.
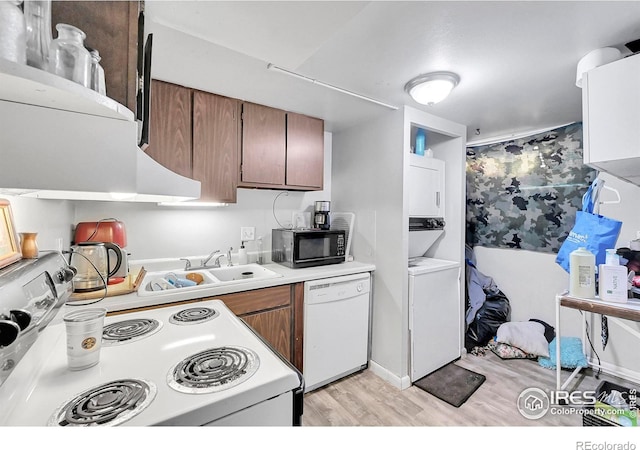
column 216, row 263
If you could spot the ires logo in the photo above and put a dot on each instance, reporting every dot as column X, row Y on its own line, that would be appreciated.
column 534, row 403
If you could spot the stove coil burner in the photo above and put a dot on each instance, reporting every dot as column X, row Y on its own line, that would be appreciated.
column 109, row 404
column 213, row 370
column 193, row 315
column 129, row 331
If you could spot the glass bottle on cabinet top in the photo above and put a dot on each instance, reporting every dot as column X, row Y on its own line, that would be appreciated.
column 37, row 15
column 97, row 73
column 68, row 57
column 12, row 32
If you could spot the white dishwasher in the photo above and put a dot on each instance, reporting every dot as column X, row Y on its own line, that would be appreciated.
column 336, row 328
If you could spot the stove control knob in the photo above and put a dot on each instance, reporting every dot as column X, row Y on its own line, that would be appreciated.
column 66, row 274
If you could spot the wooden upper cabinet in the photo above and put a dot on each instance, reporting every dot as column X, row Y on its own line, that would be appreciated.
column 305, row 151
column 281, row 150
column 263, row 145
column 112, row 29
column 170, row 128
column 215, row 146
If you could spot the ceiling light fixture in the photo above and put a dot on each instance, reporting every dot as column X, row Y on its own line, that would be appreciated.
column 329, row 86
column 431, row 88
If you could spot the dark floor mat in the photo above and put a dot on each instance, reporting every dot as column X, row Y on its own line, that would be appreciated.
column 451, row 383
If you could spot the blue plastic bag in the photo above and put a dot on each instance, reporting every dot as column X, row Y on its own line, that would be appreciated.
column 593, row 231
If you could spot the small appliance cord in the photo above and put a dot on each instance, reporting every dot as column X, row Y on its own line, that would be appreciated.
column 98, row 226
column 273, row 209
column 104, row 282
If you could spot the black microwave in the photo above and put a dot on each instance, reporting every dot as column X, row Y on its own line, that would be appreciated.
column 307, row 248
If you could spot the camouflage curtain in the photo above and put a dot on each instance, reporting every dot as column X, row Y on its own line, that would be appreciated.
column 524, row 193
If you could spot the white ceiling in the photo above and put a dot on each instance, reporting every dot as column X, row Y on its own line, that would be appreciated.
column 516, row 60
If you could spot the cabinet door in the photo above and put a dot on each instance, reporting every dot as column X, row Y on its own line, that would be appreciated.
column 435, row 320
column 426, row 189
column 263, row 145
column 215, row 146
column 170, row 128
column 305, row 151
column 611, row 107
column 275, row 327
column 112, row 29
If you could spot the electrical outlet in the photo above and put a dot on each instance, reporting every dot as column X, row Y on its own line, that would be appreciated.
column 247, row 233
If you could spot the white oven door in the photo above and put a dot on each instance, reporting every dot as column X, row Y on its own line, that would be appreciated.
column 277, row 412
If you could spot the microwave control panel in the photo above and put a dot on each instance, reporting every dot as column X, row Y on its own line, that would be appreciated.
column 340, row 245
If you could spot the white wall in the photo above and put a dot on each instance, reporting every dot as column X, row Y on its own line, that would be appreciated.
column 51, row 219
column 368, row 167
column 531, row 280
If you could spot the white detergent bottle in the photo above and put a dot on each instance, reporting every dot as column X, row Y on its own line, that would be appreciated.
column 582, row 277
column 612, row 279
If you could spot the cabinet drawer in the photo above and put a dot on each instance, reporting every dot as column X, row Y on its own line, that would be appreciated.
column 258, row 300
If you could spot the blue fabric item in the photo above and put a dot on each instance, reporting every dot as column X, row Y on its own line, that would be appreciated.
column 478, row 286
column 571, row 355
column 591, row 230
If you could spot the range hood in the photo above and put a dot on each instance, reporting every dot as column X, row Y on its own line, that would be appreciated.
column 61, row 140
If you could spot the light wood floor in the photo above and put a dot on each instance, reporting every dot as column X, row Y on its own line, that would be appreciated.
column 364, row 399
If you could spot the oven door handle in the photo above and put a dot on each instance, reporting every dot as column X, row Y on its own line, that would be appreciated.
column 298, row 394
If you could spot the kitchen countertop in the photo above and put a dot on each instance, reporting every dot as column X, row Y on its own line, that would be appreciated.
column 289, row 276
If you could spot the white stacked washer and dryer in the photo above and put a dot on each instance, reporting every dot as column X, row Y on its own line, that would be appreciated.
column 434, row 284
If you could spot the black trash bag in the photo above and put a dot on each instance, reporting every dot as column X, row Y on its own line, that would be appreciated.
column 495, row 311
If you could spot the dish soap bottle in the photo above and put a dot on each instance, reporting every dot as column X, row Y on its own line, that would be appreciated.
column 242, row 254
column 612, row 279
column 582, row 265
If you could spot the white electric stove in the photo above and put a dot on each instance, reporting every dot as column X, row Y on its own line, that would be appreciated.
column 188, row 364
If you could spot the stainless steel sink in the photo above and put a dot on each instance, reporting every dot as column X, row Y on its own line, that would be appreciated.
column 244, row 273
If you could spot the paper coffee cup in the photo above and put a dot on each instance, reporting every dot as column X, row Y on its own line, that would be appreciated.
column 84, row 337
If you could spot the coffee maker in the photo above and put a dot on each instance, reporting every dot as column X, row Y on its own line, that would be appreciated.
column 321, row 215
column 108, row 231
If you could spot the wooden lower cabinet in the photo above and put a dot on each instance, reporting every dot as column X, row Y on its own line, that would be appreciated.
column 276, row 314
column 275, row 327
